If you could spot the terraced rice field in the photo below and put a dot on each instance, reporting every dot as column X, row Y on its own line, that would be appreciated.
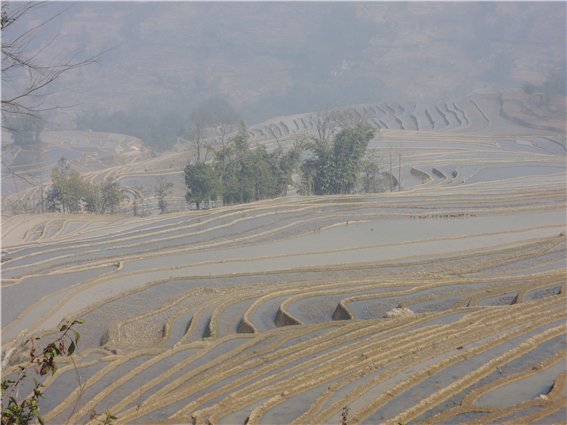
column 96, row 155
column 273, row 312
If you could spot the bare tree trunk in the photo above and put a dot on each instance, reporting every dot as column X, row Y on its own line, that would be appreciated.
column 42, row 211
column 391, row 182
column 201, row 120
column 399, row 170
column 272, row 129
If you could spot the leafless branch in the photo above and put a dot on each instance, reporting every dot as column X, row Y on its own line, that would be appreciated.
column 19, row 63
column 16, row 174
column 201, row 120
column 273, row 130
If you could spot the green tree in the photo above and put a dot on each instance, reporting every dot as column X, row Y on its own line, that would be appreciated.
column 111, row 196
column 203, row 183
column 283, row 163
column 349, row 147
column 67, row 191
column 91, row 198
column 334, row 167
column 235, row 165
column 248, row 175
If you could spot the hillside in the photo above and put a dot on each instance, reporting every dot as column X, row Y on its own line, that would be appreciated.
column 441, row 302
column 439, row 298
column 274, row 59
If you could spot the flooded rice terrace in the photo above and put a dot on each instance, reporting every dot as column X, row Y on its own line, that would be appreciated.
column 442, row 302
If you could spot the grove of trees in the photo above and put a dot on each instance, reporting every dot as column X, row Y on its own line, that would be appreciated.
column 335, row 166
column 332, row 162
column 239, row 174
column 69, row 193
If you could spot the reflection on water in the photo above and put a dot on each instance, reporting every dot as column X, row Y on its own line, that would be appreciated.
column 523, row 390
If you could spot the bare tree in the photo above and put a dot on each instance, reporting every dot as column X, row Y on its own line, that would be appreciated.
column 140, row 195
column 399, row 154
column 326, row 123
column 371, row 180
column 208, row 150
column 221, row 116
column 329, row 121
column 162, row 189
column 273, row 130
column 21, row 64
column 201, row 120
column 224, row 124
column 18, row 60
column 391, row 151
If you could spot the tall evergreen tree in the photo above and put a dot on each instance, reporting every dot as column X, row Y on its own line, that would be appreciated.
column 335, row 166
column 203, row 183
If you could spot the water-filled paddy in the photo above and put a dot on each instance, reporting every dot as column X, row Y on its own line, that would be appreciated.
column 435, row 247
column 524, row 390
column 366, row 234
column 64, row 385
column 491, row 174
column 526, row 361
column 445, row 377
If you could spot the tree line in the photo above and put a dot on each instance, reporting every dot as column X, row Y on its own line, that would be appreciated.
column 69, row 193
column 162, row 132
column 334, row 161
column 239, row 174
column 158, row 133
